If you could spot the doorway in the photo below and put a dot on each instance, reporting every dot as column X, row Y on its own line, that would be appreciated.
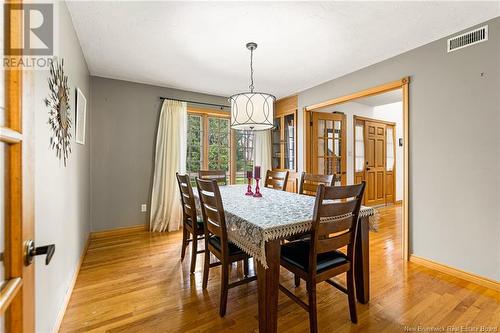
column 400, row 87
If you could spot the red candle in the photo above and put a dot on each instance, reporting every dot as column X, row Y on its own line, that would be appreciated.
column 257, row 172
column 249, row 174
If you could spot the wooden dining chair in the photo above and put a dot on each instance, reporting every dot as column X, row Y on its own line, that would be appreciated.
column 293, row 182
column 216, row 241
column 309, row 182
column 192, row 225
column 276, row 180
column 218, row 175
column 318, row 259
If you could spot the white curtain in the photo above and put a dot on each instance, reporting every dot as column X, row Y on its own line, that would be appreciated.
column 262, row 151
column 170, row 157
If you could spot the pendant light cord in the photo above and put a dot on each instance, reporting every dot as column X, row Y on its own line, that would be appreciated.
column 251, row 71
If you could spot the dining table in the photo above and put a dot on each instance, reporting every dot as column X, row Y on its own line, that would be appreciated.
column 258, row 225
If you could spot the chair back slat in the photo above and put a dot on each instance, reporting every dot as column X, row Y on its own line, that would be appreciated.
column 213, row 211
column 342, row 192
column 335, row 223
column 337, row 208
column 276, row 179
column 218, row 175
column 334, row 242
column 309, row 182
column 187, row 199
column 213, row 220
column 327, row 227
column 293, row 180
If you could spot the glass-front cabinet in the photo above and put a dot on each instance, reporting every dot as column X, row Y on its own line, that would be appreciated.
column 284, row 139
column 276, row 144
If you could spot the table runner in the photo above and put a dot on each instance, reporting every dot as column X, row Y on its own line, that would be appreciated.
column 277, row 214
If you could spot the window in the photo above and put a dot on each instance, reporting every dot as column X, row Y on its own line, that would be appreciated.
column 211, row 145
column 218, row 144
column 194, row 156
column 390, row 149
column 244, row 155
column 360, row 148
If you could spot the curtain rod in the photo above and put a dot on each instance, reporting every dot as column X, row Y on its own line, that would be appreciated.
column 194, row 102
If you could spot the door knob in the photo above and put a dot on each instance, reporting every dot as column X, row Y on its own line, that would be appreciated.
column 31, row 251
column 368, row 169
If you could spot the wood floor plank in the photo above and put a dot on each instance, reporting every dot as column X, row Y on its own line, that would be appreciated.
column 137, row 283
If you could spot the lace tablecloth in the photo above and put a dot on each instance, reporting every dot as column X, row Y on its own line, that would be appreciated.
column 277, row 214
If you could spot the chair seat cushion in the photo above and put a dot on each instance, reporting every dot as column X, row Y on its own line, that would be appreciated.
column 233, row 249
column 297, row 253
column 199, row 223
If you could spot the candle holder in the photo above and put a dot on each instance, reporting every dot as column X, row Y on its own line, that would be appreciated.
column 257, row 193
column 249, row 187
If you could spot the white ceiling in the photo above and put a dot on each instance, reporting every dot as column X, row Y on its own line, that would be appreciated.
column 200, row 46
column 382, row 99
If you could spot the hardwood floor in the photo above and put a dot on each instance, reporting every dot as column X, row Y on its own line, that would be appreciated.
column 136, row 283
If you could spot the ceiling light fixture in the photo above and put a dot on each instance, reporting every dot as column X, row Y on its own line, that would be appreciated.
column 252, row 110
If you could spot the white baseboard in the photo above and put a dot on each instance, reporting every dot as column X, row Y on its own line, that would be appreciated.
column 474, row 278
column 69, row 292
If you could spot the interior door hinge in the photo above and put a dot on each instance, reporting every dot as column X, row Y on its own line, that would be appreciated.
column 310, row 123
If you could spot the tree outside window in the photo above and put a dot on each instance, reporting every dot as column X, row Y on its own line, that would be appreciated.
column 211, row 149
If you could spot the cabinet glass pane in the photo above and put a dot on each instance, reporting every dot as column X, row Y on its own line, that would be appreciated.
column 289, row 144
column 276, row 144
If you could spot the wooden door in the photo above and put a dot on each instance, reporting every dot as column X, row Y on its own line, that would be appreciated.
column 375, row 145
column 329, row 145
column 16, row 192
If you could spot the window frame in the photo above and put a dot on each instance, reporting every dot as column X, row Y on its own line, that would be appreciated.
column 205, row 113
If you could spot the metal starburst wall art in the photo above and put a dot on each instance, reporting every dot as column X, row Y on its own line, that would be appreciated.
column 59, row 110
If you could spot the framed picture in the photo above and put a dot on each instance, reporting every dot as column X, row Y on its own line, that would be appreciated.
column 80, row 118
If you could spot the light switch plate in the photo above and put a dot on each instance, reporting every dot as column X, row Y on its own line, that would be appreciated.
column 144, row 208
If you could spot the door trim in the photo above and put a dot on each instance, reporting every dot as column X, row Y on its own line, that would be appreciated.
column 386, row 87
column 18, row 292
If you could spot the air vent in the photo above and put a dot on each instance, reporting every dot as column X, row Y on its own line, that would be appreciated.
column 467, row 39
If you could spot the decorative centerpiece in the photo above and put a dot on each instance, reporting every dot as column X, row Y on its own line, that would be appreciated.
column 249, row 188
column 257, row 193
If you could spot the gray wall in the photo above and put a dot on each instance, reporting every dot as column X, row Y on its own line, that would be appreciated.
column 62, row 194
column 123, row 133
column 454, row 147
